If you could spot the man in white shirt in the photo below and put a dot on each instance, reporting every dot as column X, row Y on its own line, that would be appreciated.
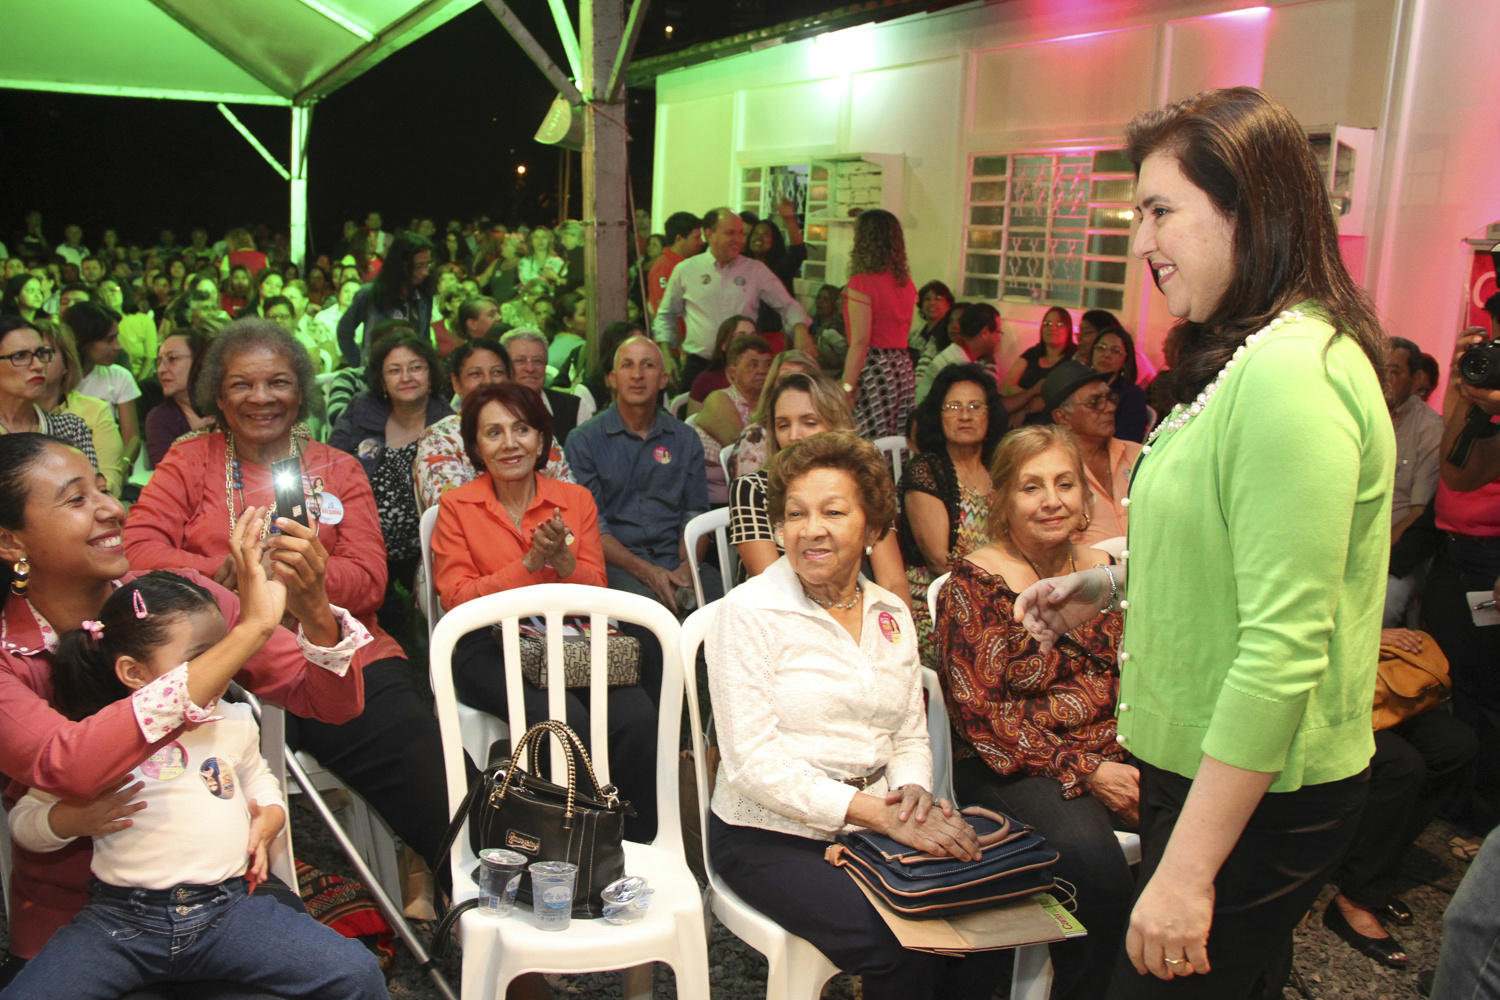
column 1419, row 436
column 705, row 290
column 976, row 343
column 72, row 249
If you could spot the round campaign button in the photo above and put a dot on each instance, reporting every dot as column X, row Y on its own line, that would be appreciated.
column 167, row 763
column 662, row 455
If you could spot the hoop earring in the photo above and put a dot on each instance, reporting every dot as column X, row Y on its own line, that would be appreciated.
column 1087, row 521
column 22, row 570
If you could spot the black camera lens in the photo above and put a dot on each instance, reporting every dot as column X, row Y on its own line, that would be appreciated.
column 1480, row 365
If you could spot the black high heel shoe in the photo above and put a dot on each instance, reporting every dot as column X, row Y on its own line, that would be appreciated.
column 1382, row 950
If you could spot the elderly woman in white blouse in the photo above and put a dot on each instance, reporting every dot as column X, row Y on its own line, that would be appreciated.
column 818, row 704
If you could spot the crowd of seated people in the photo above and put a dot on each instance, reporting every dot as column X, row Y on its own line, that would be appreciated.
column 463, row 371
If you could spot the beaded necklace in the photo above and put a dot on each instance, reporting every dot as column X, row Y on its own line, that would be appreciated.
column 1181, row 413
column 234, row 478
column 833, row 606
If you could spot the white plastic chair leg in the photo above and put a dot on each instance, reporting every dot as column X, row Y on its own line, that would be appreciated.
column 639, row 983
column 1032, row 978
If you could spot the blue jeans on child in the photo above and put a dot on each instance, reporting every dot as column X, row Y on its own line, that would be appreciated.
column 125, row 939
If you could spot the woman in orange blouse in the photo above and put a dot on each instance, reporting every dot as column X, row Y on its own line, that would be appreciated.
column 1035, row 732
column 513, row 527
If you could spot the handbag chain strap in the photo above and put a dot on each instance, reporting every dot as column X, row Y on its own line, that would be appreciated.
column 527, row 748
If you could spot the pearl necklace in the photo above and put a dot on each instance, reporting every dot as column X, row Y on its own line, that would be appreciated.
column 1181, row 413
column 832, row 606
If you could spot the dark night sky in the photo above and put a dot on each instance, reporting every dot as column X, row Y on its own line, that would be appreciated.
column 435, row 130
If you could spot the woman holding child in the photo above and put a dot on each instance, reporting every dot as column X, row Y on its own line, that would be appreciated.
column 60, row 533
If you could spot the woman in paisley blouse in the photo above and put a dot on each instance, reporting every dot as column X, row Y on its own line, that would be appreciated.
column 1035, row 732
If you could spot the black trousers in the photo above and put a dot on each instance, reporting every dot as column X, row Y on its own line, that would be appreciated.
column 1473, row 652
column 692, row 367
column 479, row 679
column 1416, row 768
column 277, row 889
column 391, row 754
column 786, row 878
column 1272, row 876
column 1082, row 832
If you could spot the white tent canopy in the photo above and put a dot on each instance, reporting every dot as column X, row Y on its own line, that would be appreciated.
column 282, row 52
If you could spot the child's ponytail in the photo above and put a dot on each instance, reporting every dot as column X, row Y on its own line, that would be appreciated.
column 135, row 621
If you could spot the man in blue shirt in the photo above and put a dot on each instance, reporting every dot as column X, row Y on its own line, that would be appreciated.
column 645, row 469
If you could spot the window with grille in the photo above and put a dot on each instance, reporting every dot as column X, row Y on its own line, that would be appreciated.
column 807, row 186
column 1051, row 228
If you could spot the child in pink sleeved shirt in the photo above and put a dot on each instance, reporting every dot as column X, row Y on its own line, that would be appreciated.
column 175, row 871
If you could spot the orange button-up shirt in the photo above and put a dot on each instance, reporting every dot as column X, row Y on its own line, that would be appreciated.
column 477, row 549
column 1109, row 516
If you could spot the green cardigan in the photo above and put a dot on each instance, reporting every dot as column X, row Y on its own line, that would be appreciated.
column 1258, row 547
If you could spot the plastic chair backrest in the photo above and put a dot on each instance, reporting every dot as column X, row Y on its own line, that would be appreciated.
column 1114, row 546
column 678, row 406
column 552, row 601
column 895, row 448
column 695, row 629
column 717, row 522
column 434, row 607
column 933, row 589
column 1151, row 417
column 724, row 455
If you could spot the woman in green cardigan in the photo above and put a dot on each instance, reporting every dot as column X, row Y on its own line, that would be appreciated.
column 1257, row 553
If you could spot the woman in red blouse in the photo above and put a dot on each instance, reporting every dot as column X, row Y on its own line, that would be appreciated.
column 1035, row 732
column 513, row 527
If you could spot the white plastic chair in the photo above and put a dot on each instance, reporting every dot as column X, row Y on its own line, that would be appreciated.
column 1151, row 417
column 678, row 406
column 7, row 862
column 496, row 951
column 893, row 447
column 717, row 522
column 1114, row 546
column 724, row 454
column 797, row 970
column 480, row 729
column 1130, row 843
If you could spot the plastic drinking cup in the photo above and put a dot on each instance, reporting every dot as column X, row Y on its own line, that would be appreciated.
column 499, row 878
column 552, row 893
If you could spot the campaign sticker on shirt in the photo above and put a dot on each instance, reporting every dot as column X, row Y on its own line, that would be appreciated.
column 705, row 279
column 326, row 508
column 370, row 448
column 217, row 777
column 167, row 763
column 889, row 628
column 662, row 455
column 740, row 280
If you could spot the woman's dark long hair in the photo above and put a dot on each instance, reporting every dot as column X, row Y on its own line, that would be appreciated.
column 18, row 453
column 83, row 674
column 1251, row 157
column 392, row 286
column 1131, row 372
column 929, row 413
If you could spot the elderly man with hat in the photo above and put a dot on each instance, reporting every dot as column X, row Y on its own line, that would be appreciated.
column 1078, row 399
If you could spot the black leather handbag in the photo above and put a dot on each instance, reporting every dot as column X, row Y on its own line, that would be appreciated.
column 512, row 808
column 1015, row 862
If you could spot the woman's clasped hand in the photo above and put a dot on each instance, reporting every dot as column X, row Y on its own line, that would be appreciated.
column 549, row 547
column 911, row 815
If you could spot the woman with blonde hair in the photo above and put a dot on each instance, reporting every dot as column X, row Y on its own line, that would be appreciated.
column 749, row 453
column 60, row 395
column 1034, row 728
column 878, row 375
column 800, row 406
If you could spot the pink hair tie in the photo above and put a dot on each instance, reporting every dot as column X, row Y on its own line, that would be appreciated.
column 95, row 629
column 139, row 603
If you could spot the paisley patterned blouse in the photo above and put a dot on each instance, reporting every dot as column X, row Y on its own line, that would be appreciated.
column 1022, row 712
